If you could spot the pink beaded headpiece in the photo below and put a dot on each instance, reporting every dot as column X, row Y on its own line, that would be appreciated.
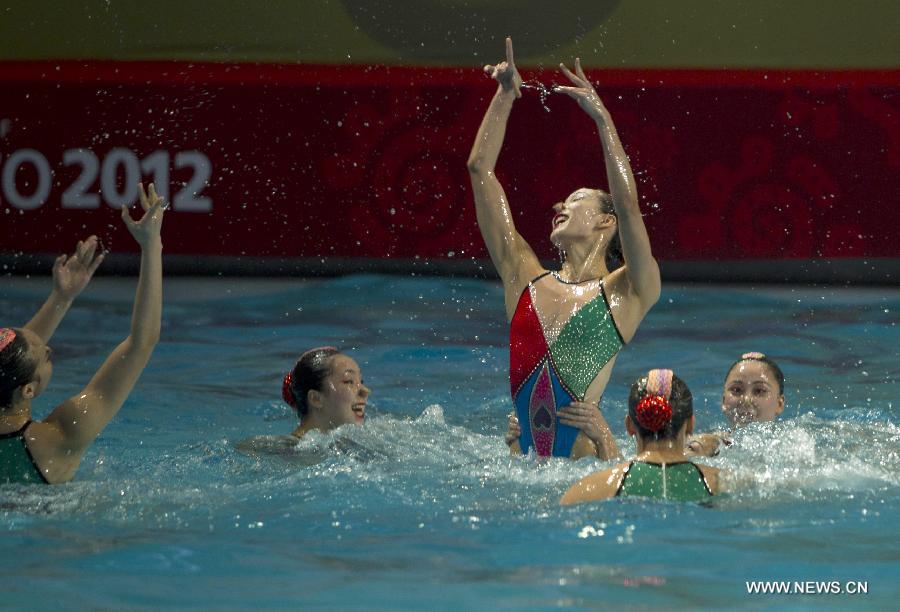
column 7, row 335
column 653, row 412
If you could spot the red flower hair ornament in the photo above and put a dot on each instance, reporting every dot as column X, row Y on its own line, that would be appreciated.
column 653, row 412
column 286, row 394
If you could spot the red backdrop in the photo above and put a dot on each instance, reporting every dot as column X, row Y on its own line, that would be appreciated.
column 353, row 161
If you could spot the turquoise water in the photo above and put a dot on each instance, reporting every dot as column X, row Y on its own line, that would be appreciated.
column 422, row 507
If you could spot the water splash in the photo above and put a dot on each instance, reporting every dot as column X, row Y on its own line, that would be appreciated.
column 542, row 90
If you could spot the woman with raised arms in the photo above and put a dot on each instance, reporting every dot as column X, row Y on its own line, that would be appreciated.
column 50, row 451
column 566, row 326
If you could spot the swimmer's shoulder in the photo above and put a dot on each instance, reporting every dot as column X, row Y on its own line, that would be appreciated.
column 711, row 474
column 267, row 444
column 596, row 486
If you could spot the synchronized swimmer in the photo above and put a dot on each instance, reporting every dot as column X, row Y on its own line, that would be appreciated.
column 50, row 451
column 660, row 417
column 754, row 392
column 566, row 326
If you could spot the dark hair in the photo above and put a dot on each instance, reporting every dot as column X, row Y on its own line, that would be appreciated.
column 680, row 400
column 16, row 369
column 779, row 375
column 614, row 257
column 309, row 373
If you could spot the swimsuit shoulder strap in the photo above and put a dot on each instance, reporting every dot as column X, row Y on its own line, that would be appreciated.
column 624, row 476
column 702, row 477
column 17, row 433
column 530, row 283
column 539, row 277
column 609, row 310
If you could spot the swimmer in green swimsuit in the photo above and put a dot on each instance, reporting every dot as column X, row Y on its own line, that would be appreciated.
column 753, row 392
column 660, row 416
column 50, row 451
column 566, row 327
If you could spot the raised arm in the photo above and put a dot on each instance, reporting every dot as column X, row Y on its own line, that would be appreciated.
column 641, row 272
column 70, row 276
column 508, row 251
column 81, row 418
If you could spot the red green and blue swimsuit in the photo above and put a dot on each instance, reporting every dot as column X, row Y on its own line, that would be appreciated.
column 547, row 373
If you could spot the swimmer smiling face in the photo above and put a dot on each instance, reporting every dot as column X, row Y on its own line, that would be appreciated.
column 327, row 391
column 582, row 216
column 753, row 392
column 342, row 398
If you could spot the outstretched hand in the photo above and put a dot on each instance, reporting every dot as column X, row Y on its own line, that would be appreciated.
column 147, row 228
column 505, row 73
column 582, row 92
column 72, row 273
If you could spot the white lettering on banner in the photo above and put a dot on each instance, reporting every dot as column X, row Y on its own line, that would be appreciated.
column 108, row 183
column 157, row 165
column 44, row 175
column 75, row 196
column 120, row 167
column 187, row 199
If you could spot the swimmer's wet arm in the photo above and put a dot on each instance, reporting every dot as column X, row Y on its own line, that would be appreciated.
column 82, row 417
column 640, row 266
column 594, row 487
column 713, row 479
column 71, row 274
column 506, row 247
column 640, row 269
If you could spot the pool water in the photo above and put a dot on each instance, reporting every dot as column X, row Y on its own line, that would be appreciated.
column 422, row 507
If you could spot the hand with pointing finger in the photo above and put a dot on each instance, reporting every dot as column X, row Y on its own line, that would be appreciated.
column 505, row 73
column 146, row 229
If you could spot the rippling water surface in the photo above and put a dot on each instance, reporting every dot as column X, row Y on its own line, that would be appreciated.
column 422, row 507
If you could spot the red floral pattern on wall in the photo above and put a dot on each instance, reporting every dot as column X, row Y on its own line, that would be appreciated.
column 370, row 162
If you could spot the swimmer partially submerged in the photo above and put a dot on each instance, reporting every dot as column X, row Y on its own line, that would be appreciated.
column 325, row 389
column 753, row 392
column 660, row 417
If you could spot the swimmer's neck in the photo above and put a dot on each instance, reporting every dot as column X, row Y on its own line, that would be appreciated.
column 14, row 417
column 583, row 261
column 670, row 450
column 308, row 423
column 301, row 430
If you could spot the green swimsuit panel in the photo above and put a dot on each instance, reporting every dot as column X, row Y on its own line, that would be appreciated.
column 676, row 481
column 17, row 466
